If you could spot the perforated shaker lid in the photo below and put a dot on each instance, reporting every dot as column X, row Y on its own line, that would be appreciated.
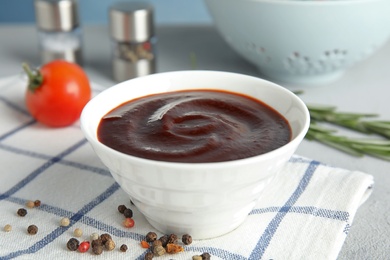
column 56, row 15
column 131, row 21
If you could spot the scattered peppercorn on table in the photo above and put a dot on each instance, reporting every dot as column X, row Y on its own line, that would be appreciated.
column 58, row 201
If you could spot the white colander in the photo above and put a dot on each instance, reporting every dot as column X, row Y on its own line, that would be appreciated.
column 302, row 41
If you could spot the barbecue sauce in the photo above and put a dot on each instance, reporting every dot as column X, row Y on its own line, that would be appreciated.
column 194, row 126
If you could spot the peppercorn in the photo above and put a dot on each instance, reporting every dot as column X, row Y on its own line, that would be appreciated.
column 32, row 229
column 196, row 257
column 205, row 256
column 73, row 244
column 186, row 239
column 37, row 203
column 105, row 237
column 164, row 240
column 7, row 228
column 97, row 242
column 159, row 250
column 128, row 222
column 94, row 236
column 64, row 222
column 22, row 212
column 174, row 248
column 128, row 213
column 84, row 246
column 121, row 208
column 151, row 236
column 172, row 239
column 78, row 232
column 123, row 248
column 156, row 243
column 97, row 250
column 148, row 256
column 109, row 245
column 30, row 204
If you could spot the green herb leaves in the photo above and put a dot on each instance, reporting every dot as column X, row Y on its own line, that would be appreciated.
column 373, row 146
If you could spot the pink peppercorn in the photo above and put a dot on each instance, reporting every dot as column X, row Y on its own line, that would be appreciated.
column 84, row 246
column 128, row 222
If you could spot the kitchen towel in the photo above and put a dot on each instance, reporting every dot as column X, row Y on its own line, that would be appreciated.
column 305, row 212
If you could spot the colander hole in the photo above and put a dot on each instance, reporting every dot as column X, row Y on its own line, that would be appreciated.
column 329, row 60
column 260, row 51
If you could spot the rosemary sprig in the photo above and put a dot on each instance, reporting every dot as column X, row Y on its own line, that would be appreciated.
column 375, row 147
column 378, row 127
column 353, row 121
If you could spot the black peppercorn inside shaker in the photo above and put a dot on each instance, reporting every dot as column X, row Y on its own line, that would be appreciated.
column 133, row 40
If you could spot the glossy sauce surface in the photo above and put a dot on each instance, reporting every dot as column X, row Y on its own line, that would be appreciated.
column 194, row 126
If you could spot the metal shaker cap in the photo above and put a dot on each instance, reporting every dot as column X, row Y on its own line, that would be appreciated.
column 131, row 21
column 56, row 15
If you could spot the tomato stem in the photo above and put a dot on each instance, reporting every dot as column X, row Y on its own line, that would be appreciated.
column 35, row 77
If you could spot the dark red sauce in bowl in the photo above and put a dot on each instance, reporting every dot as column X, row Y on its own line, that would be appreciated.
column 194, row 126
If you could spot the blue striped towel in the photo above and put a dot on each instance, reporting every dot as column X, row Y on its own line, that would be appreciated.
column 306, row 217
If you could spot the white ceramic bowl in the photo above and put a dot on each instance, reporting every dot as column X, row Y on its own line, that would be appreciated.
column 202, row 199
column 302, row 42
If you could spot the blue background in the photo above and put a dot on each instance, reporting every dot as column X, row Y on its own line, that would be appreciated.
column 96, row 11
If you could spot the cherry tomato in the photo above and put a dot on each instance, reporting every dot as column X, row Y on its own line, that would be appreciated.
column 57, row 93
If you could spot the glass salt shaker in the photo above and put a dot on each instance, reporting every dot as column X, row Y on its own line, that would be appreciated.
column 59, row 30
column 132, row 40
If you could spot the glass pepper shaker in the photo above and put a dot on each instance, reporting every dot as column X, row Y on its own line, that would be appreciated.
column 132, row 40
column 59, row 30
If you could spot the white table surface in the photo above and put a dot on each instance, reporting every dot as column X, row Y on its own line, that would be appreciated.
column 364, row 88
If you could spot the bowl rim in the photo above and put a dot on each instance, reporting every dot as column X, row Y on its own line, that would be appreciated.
column 293, row 142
